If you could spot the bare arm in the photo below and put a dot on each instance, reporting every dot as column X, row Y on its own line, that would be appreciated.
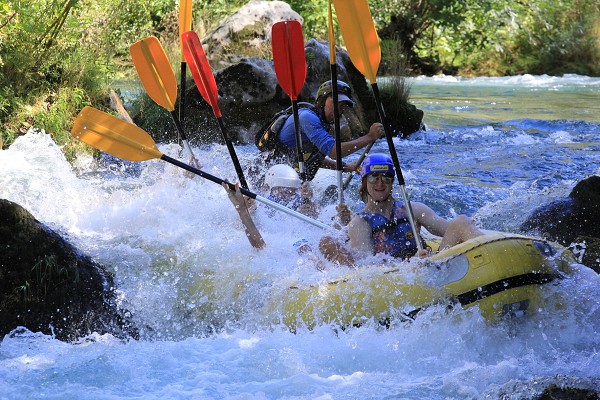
column 429, row 219
column 361, row 243
column 375, row 132
column 237, row 199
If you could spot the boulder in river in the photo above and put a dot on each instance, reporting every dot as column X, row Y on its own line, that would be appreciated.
column 572, row 221
column 48, row 286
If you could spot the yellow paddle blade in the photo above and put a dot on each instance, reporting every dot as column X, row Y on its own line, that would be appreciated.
column 360, row 36
column 185, row 21
column 112, row 135
column 332, row 57
column 155, row 72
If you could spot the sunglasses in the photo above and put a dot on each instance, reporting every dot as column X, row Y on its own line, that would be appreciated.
column 385, row 178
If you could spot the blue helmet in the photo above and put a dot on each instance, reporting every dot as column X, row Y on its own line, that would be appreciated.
column 376, row 162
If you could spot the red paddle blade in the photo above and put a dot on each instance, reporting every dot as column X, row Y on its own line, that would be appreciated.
column 201, row 71
column 289, row 57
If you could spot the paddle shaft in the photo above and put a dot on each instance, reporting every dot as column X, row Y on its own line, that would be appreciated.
column 245, row 192
column 358, row 162
column 298, row 139
column 233, row 154
column 183, row 90
column 186, row 144
column 394, row 155
column 338, row 137
column 185, row 24
column 336, row 112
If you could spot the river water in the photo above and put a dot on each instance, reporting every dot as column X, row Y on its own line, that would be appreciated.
column 494, row 149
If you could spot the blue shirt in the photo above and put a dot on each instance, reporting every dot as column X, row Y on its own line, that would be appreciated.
column 314, row 132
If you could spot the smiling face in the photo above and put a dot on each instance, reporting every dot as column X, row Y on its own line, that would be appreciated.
column 379, row 186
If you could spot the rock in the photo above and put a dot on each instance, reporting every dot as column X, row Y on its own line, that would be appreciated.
column 554, row 392
column 572, row 220
column 48, row 286
column 249, row 28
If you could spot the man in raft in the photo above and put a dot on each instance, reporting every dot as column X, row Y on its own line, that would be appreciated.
column 315, row 124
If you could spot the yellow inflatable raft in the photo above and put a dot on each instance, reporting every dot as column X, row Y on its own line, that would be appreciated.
column 501, row 273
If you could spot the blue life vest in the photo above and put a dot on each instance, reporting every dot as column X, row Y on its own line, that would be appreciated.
column 394, row 237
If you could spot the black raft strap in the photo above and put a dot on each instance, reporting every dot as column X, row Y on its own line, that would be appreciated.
column 504, row 284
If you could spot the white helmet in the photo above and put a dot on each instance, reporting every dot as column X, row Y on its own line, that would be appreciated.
column 282, row 175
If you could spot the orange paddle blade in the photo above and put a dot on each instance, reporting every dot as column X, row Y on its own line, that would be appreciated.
column 201, row 71
column 332, row 58
column 289, row 57
column 185, row 20
column 155, row 72
column 112, row 135
column 360, row 36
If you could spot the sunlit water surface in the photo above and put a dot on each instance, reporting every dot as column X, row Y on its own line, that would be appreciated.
column 494, row 149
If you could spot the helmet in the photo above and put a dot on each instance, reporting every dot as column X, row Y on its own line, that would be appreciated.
column 376, row 162
column 344, row 91
column 282, row 175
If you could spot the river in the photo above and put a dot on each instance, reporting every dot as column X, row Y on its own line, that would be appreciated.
column 494, row 149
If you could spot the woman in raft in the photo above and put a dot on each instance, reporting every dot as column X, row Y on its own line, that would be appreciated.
column 383, row 225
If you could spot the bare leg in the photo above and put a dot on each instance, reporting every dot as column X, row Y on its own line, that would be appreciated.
column 460, row 230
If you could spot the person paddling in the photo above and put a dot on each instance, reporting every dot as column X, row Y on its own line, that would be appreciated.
column 284, row 187
column 317, row 142
column 383, row 227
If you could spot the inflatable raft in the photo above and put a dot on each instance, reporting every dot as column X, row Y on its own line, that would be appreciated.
column 503, row 274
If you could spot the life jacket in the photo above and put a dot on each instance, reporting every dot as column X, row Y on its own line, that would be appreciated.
column 267, row 138
column 394, row 237
column 267, row 141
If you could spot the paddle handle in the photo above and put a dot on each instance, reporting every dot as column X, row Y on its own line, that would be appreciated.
column 336, row 130
column 244, row 191
column 394, row 155
column 233, row 154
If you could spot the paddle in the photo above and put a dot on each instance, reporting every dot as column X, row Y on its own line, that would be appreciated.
column 157, row 76
column 112, row 135
column 207, row 86
column 358, row 162
column 185, row 24
column 290, row 67
column 362, row 43
column 336, row 112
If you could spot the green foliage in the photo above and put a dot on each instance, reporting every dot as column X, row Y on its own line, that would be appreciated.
column 316, row 18
column 496, row 38
column 57, row 56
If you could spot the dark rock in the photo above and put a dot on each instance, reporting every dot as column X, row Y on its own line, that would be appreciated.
column 554, row 392
column 572, row 220
column 48, row 286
